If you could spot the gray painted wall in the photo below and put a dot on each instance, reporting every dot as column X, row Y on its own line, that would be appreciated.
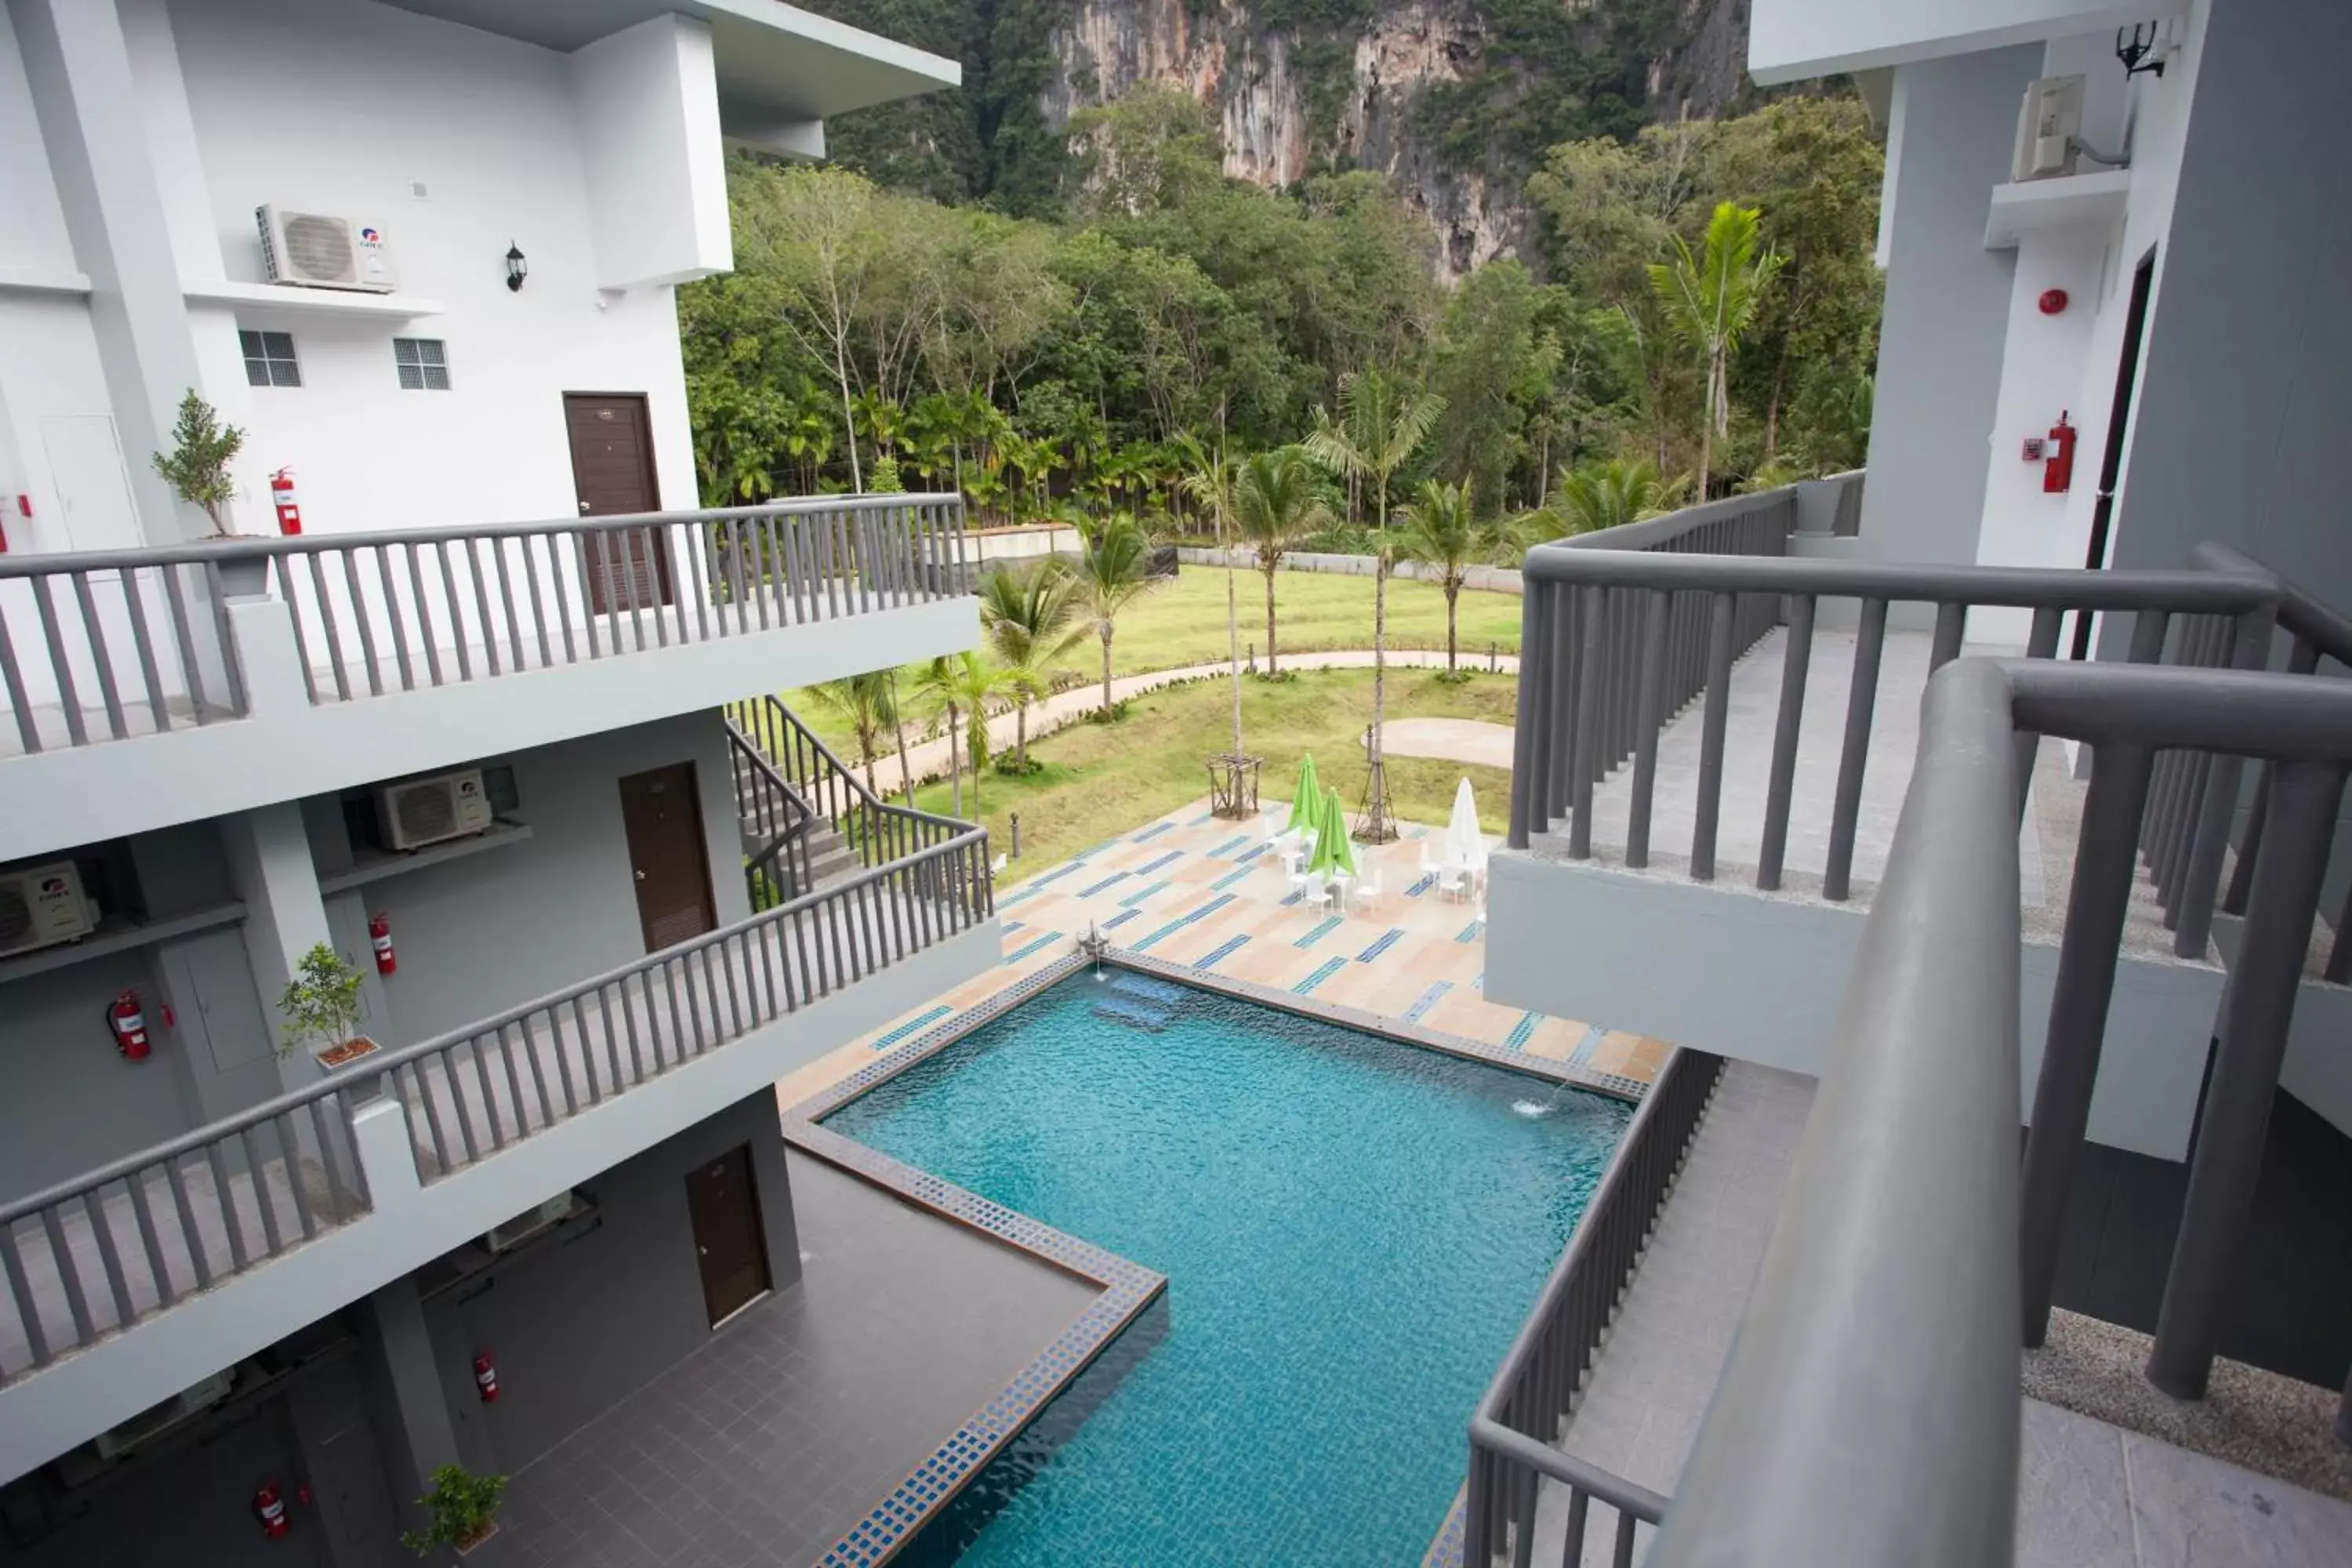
column 576, row 1324
column 1947, row 313
column 69, row 1101
column 193, row 1503
column 2245, row 394
column 479, row 934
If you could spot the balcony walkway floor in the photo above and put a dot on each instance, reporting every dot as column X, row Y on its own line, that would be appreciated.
column 576, row 1060
column 2090, row 1495
column 766, row 1443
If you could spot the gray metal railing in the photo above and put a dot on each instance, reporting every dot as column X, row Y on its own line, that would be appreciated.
column 819, row 781
column 401, row 610
column 1631, row 636
column 1869, row 1411
column 1534, row 1388
column 149, row 1229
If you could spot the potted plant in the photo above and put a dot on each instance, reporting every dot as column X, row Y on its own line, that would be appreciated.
column 322, row 1004
column 197, row 467
column 464, row 1510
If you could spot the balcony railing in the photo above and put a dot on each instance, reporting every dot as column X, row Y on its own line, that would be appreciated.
column 99, row 645
column 121, row 1243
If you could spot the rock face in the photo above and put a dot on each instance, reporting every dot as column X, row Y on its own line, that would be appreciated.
column 1267, row 100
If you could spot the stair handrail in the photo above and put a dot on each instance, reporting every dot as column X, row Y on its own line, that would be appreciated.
column 774, row 710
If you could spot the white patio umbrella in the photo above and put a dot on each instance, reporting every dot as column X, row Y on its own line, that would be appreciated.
column 1464, row 843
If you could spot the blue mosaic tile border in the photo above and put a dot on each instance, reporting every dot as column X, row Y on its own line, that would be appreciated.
column 1522, row 1031
column 1121, row 917
column 1323, row 970
column 1592, row 1038
column 1157, row 861
column 1230, row 878
column 1317, row 932
column 1446, row 1549
column 1428, row 999
column 1138, row 897
column 1470, row 932
column 1381, row 944
column 1090, row 892
column 1222, row 950
column 930, row 1016
column 1032, row 945
column 1154, row 831
column 1236, row 842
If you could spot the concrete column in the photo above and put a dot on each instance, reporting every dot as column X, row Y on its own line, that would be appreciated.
column 88, row 101
column 412, row 1415
column 1950, row 136
column 269, row 865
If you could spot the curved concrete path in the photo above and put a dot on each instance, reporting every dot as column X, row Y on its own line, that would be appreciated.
column 929, row 759
column 1478, row 740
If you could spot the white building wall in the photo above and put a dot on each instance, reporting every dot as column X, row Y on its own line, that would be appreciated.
column 350, row 108
column 647, row 101
column 1792, row 40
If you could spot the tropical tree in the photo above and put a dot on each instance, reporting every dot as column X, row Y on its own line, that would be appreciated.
column 864, row 703
column 1381, row 423
column 1440, row 527
column 1030, row 620
column 1114, row 570
column 1711, row 300
column 1210, row 484
column 1278, row 499
column 957, row 690
column 1616, row 490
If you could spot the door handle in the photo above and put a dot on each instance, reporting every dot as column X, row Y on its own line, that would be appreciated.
column 702, row 1252
column 583, row 509
column 640, row 876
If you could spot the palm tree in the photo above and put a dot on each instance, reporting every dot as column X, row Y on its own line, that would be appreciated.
column 1278, row 499
column 861, row 702
column 895, row 715
column 1029, row 618
column 1605, row 494
column 1381, row 423
column 957, row 689
column 1113, row 569
column 1211, row 484
column 1711, row 300
column 1443, row 530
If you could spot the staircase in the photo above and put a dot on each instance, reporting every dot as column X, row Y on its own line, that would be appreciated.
column 807, row 819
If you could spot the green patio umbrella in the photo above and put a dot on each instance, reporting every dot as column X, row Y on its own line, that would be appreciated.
column 1334, row 856
column 1306, row 806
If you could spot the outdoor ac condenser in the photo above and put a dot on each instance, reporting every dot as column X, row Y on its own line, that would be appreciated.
column 42, row 905
column 2047, row 128
column 314, row 251
column 415, row 813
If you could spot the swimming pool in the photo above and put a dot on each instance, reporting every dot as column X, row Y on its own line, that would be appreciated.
column 1352, row 1230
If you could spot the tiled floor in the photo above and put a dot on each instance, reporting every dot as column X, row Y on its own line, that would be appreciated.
column 763, row 1446
column 1200, row 892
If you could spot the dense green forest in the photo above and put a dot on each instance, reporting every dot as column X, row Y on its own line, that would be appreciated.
column 1082, row 360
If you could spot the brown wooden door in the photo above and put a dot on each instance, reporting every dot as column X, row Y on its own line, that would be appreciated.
column 669, row 859
column 612, row 472
column 730, row 1247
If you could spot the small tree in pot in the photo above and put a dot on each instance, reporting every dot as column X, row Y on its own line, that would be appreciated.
column 322, row 1002
column 197, row 467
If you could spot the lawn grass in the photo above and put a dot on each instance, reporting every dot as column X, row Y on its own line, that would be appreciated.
column 1101, row 780
column 1182, row 622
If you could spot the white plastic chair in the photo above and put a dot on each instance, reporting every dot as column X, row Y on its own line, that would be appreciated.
column 1453, row 880
column 1366, row 891
column 996, row 867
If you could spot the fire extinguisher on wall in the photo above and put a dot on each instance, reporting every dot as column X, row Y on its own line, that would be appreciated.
column 281, row 496
column 2058, row 464
column 129, row 1022
column 270, row 1509
column 380, row 939
column 486, row 1378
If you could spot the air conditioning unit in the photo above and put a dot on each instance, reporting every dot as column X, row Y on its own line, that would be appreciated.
column 415, row 813
column 313, row 250
column 43, row 905
column 2048, row 126
column 154, row 1421
column 524, row 1226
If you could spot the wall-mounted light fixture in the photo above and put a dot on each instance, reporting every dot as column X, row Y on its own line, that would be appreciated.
column 517, row 267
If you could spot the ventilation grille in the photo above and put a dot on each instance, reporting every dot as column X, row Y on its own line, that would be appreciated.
column 425, row 811
column 319, row 248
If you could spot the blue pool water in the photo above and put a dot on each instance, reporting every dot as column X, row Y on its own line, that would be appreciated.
column 1352, row 1231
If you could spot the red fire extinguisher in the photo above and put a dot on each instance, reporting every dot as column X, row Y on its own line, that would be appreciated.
column 129, row 1025
column 486, row 1378
column 2058, row 466
column 281, row 496
column 270, row 1509
column 380, row 939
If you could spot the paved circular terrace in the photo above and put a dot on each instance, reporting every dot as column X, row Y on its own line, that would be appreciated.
column 1456, row 740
